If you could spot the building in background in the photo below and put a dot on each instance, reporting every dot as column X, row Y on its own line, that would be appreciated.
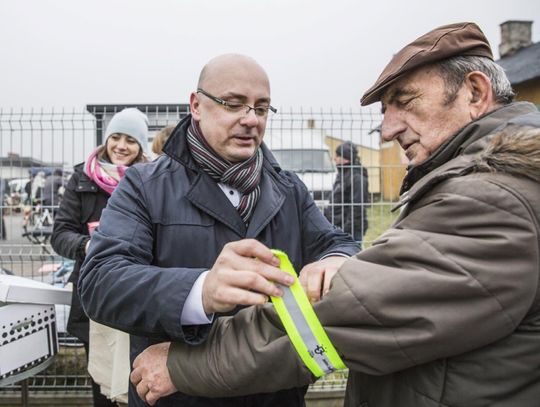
column 15, row 166
column 520, row 58
column 159, row 115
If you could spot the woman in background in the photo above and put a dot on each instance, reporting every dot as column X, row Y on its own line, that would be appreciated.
column 85, row 196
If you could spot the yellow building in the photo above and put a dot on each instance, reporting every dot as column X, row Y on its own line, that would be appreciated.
column 393, row 170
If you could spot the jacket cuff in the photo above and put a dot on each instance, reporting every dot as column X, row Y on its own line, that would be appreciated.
column 81, row 250
column 196, row 334
column 335, row 254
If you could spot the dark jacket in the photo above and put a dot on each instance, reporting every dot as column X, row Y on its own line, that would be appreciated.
column 350, row 199
column 51, row 190
column 166, row 223
column 82, row 203
column 442, row 310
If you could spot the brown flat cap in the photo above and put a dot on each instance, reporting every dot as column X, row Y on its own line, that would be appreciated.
column 441, row 43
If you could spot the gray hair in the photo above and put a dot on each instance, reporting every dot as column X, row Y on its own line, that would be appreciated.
column 454, row 70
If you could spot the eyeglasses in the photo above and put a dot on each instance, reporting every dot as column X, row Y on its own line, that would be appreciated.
column 237, row 107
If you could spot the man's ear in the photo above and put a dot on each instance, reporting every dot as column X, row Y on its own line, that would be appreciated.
column 194, row 106
column 480, row 94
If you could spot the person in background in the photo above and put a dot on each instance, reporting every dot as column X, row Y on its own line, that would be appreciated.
column 28, row 191
column 350, row 194
column 444, row 308
column 51, row 190
column 85, row 196
column 38, row 182
column 160, row 138
column 187, row 238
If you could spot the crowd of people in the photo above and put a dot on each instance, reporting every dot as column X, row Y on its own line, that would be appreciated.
column 174, row 268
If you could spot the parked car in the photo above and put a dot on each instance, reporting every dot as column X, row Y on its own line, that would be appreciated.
column 305, row 153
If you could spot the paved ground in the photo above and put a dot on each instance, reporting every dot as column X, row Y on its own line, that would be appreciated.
column 21, row 256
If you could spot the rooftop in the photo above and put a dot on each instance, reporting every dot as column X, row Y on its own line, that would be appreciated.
column 522, row 66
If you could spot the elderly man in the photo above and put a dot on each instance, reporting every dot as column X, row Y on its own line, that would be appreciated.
column 444, row 308
column 189, row 235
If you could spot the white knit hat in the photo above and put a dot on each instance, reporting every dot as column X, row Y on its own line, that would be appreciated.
column 130, row 121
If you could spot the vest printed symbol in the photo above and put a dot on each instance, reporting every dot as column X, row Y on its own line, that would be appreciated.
column 319, row 350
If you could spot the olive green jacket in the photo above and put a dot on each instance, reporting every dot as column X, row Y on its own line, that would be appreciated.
column 442, row 310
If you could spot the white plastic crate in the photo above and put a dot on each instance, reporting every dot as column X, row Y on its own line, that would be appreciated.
column 28, row 337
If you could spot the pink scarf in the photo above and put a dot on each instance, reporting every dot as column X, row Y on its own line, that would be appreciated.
column 104, row 174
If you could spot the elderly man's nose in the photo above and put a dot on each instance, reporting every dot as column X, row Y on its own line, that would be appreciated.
column 391, row 126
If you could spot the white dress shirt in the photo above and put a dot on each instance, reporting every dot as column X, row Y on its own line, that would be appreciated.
column 193, row 311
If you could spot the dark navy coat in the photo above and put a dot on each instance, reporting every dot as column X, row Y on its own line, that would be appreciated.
column 165, row 224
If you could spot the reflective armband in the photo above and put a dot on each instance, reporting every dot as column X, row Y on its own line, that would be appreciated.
column 303, row 327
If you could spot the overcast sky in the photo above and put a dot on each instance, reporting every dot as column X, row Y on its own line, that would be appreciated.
column 317, row 53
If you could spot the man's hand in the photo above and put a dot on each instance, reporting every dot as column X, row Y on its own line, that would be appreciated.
column 150, row 373
column 244, row 273
column 316, row 277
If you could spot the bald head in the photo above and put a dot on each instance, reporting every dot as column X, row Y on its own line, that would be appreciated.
column 223, row 67
column 231, row 105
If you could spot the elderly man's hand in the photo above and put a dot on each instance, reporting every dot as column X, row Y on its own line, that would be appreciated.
column 150, row 373
column 316, row 277
column 244, row 273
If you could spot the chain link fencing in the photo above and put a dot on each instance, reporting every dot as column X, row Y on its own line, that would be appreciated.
column 35, row 144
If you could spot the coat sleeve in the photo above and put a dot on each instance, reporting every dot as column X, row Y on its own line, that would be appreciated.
column 252, row 343
column 69, row 237
column 456, row 274
column 119, row 286
column 427, row 289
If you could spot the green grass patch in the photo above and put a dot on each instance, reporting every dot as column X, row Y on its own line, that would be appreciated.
column 380, row 219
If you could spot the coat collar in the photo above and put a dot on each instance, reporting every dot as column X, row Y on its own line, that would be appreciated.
column 84, row 182
column 176, row 145
column 206, row 195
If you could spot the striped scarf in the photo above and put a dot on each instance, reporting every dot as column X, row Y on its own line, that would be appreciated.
column 243, row 176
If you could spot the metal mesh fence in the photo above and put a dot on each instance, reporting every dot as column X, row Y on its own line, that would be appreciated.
column 36, row 144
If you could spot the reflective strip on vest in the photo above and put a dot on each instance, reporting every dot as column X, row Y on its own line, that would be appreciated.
column 303, row 327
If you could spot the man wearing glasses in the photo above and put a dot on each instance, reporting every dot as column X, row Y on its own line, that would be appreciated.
column 187, row 237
